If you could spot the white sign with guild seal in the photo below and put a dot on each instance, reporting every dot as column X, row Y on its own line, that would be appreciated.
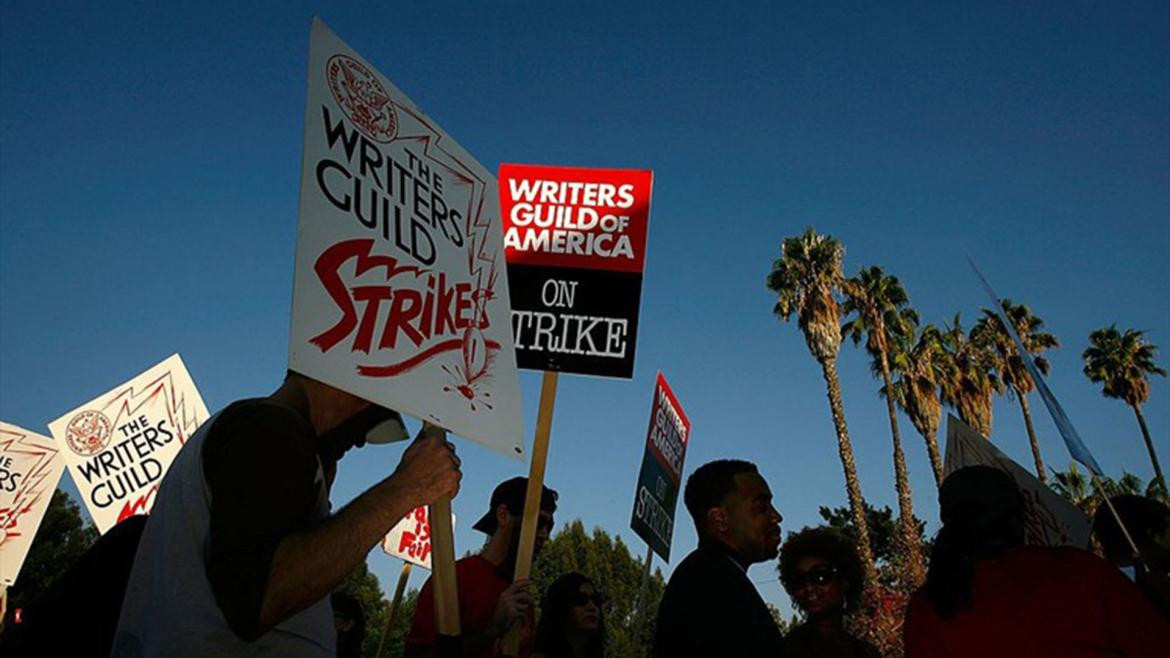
column 30, row 466
column 400, row 292
column 119, row 445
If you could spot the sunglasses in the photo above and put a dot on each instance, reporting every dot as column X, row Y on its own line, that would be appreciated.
column 581, row 598
column 822, row 575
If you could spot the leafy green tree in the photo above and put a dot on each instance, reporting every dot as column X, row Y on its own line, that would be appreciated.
column 785, row 625
column 616, row 572
column 363, row 585
column 1122, row 363
column 807, row 279
column 884, row 530
column 399, row 627
column 60, row 540
column 1008, row 363
column 881, row 313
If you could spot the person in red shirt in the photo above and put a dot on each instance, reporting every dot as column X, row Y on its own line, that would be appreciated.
column 987, row 594
column 489, row 602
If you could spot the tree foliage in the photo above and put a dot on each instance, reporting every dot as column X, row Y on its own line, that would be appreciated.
column 616, row 572
column 1077, row 488
column 363, row 585
column 883, row 529
column 970, row 381
column 1121, row 363
column 60, row 540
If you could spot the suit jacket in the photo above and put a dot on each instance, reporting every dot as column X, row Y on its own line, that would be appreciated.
column 711, row 609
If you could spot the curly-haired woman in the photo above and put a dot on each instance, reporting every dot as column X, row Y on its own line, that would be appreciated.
column 822, row 573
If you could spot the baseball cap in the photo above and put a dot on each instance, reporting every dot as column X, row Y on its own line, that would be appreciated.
column 512, row 493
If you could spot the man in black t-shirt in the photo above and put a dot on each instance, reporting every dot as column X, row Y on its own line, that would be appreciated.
column 242, row 550
column 710, row 608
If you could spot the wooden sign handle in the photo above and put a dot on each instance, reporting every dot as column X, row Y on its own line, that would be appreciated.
column 394, row 603
column 548, row 396
column 443, row 566
column 1120, row 524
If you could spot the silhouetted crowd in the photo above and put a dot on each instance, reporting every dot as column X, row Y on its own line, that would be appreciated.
column 242, row 552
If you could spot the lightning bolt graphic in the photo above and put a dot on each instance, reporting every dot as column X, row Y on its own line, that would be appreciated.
column 481, row 262
column 37, row 482
column 140, row 506
column 182, row 417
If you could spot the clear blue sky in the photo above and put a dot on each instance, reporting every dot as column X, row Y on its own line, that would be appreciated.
column 150, row 159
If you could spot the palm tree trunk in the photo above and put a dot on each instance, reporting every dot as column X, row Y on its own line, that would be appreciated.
column 910, row 545
column 1137, row 409
column 852, row 485
column 1032, row 437
column 935, row 458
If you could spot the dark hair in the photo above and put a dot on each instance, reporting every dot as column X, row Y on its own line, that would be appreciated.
column 831, row 545
column 710, row 485
column 982, row 512
column 552, row 631
column 511, row 493
column 348, row 607
column 1143, row 517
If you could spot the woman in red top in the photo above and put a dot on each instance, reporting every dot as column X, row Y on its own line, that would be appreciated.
column 987, row 594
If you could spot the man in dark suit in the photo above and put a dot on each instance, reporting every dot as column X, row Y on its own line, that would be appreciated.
column 710, row 608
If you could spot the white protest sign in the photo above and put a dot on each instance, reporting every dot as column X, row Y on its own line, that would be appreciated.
column 30, row 466
column 119, row 445
column 1049, row 520
column 410, row 538
column 400, row 293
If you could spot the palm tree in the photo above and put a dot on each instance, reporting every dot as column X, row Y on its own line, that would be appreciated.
column 880, row 305
column 1073, row 485
column 1008, row 364
column 1122, row 363
column 1079, row 490
column 969, row 382
column 917, row 361
column 805, row 279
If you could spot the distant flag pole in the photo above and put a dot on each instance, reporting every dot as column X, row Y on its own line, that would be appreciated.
column 1072, row 440
column 1076, row 447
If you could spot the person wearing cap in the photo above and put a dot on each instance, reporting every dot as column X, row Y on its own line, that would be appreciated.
column 988, row 594
column 489, row 602
column 241, row 549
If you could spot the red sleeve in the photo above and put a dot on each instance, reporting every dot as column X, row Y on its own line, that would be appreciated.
column 477, row 605
column 920, row 632
column 1136, row 626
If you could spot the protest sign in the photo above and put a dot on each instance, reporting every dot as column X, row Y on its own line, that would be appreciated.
column 119, row 445
column 400, row 292
column 656, row 495
column 30, row 466
column 410, row 538
column 575, row 241
column 1049, row 520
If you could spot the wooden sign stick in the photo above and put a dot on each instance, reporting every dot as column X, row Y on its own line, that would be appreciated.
column 443, row 569
column 640, row 606
column 548, row 396
column 1117, row 517
column 398, row 589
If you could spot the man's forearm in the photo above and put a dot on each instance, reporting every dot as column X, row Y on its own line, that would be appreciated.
column 308, row 564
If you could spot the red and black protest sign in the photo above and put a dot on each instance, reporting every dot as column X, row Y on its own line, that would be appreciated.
column 660, row 477
column 575, row 243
